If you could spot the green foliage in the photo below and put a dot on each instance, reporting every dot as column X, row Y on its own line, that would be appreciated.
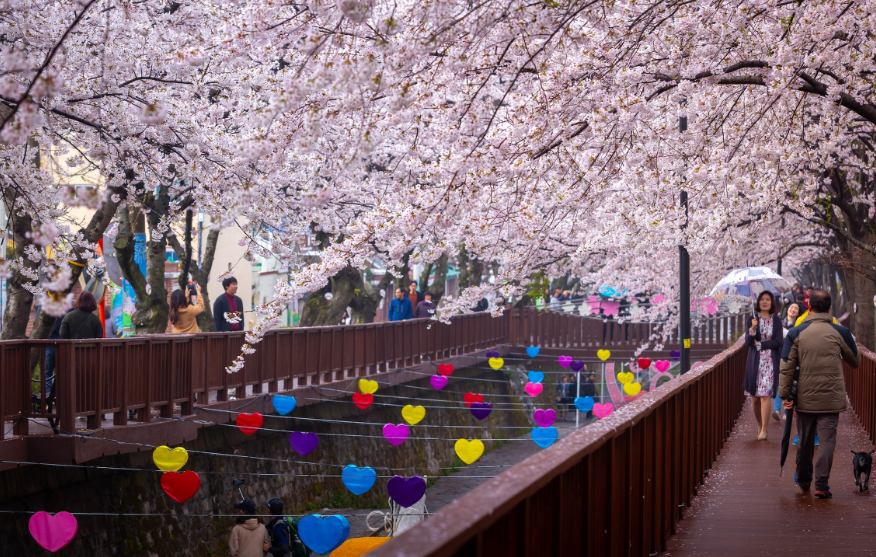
column 538, row 284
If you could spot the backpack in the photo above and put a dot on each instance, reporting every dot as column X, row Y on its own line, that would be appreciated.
column 296, row 546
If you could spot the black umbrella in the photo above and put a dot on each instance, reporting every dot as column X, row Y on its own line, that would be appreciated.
column 786, row 436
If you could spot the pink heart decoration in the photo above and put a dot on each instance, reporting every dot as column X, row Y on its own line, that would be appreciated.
column 534, row 389
column 603, row 410
column 396, row 434
column 545, row 418
column 438, row 382
column 53, row 532
column 661, row 365
column 565, row 361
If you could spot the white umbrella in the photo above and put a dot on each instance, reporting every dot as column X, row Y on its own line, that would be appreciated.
column 749, row 282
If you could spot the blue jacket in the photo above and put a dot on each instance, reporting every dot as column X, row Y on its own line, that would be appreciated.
column 399, row 310
column 279, row 532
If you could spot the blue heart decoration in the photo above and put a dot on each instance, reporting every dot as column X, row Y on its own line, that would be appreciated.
column 544, row 437
column 358, row 480
column 584, row 403
column 323, row 534
column 535, row 376
column 533, row 351
column 284, row 404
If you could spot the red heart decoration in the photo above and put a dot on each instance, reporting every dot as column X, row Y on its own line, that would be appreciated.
column 644, row 363
column 180, row 486
column 471, row 398
column 362, row 400
column 445, row 369
column 249, row 423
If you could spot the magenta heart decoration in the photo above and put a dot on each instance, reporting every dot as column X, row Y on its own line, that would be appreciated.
column 406, row 491
column 303, row 442
column 565, row 361
column 53, row 532
column 534, row 389
column 396, row 434
column 438, row 382
column 603, row 410
column 576, row 365
column 662, row 365
column 481, row 410
column 545, row 418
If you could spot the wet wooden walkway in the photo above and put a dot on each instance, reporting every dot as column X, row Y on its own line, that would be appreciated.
column 745, row 508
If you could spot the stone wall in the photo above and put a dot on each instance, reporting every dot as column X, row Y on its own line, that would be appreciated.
column 54, row 489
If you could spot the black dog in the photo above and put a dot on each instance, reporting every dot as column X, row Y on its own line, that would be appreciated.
column 861, row 463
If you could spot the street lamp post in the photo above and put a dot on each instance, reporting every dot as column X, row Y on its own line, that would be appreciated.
column 684, row 281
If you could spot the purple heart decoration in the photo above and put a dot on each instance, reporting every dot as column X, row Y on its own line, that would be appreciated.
column 406, row 491
column 576, row 365
column 481, row 410
column 302, row 442
column 493, row 354
column 545, row 418
column 438, row 382
column 675, row 354
column 396, row 434
column 565, row 361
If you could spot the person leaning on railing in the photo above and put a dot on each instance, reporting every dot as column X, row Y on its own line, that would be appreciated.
column 82, row 323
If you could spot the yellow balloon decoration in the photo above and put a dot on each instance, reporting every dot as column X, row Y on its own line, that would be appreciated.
column 603, row 354
column 632, row 389
column 413, row 414
column 625, row 377
column 469, row 451
column 170, row 460
column 496, row 363
column 367, row 386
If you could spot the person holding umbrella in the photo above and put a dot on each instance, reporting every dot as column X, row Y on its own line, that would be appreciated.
column 764, row 339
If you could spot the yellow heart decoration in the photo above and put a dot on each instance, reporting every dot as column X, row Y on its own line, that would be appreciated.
column 413, row 414
column 469, row 451
column 496, row 363
column 170, row 460
column 625, row 377
column 603, row 354
column 367, row 386
column 632, row 389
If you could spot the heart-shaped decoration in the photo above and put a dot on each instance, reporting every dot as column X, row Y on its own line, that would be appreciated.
column 303, row 442
column 323, row 534
column 362, row 401
column 493, row 354
column 625, row 377
column 438, row 382
column 662, row 365
column 284, row 404
column 445, row 369
column 170, row 460
column 358, row 480
column 406, row 491
column 603, row 354
column 644, row 363
column 675, row 354
column 545, row 418
column 496, row 363
column 632, row 389
column 469, row 451
column 250, row 423
column 535, row 376
column 544, row 437
column 396, row 434
column 532, row 351
column 413, row 414
column 565, row 361
column 603, row 410
column 576, row 365
column 584, row 403
column 53, row 532
column 180, row 486
column 481, row 410
column 471, row 398
column 367, row 386
column 534, row 389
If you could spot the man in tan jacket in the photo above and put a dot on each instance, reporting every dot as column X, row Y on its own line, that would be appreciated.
column 818, row 347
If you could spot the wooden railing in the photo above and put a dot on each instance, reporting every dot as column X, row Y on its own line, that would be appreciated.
column 861, row 389
column 617, row 487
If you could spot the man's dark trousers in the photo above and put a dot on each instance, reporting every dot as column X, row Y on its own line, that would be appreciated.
column 808, row 426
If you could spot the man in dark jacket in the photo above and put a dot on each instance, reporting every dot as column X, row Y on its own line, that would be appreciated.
column 588, row 388
column 228, row 303
column 818, row 347
column 400, row 307
column 426, row 308
column 278, row 530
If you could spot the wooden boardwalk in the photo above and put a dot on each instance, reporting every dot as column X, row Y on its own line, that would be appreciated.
column 745, row 508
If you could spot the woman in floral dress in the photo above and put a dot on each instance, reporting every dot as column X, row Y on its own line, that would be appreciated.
column 764, row 339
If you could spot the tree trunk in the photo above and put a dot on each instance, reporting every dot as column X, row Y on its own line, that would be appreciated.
column 150, row 315
column 199, row 271
column 864, row 318
column 19, row 300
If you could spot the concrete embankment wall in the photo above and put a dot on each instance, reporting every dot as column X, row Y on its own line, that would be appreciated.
column 84, row 490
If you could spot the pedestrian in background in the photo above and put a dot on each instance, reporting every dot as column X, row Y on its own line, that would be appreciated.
column 400, row 307
column 278, row 530
column 764, row 340
column 183, row 315
column 588, row 388
column 249, row 535
column 426, row 308
column 414, row 295
column 82, row 323
column 228, row 302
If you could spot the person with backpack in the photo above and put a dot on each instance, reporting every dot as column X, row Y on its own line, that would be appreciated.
column 283, row 533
